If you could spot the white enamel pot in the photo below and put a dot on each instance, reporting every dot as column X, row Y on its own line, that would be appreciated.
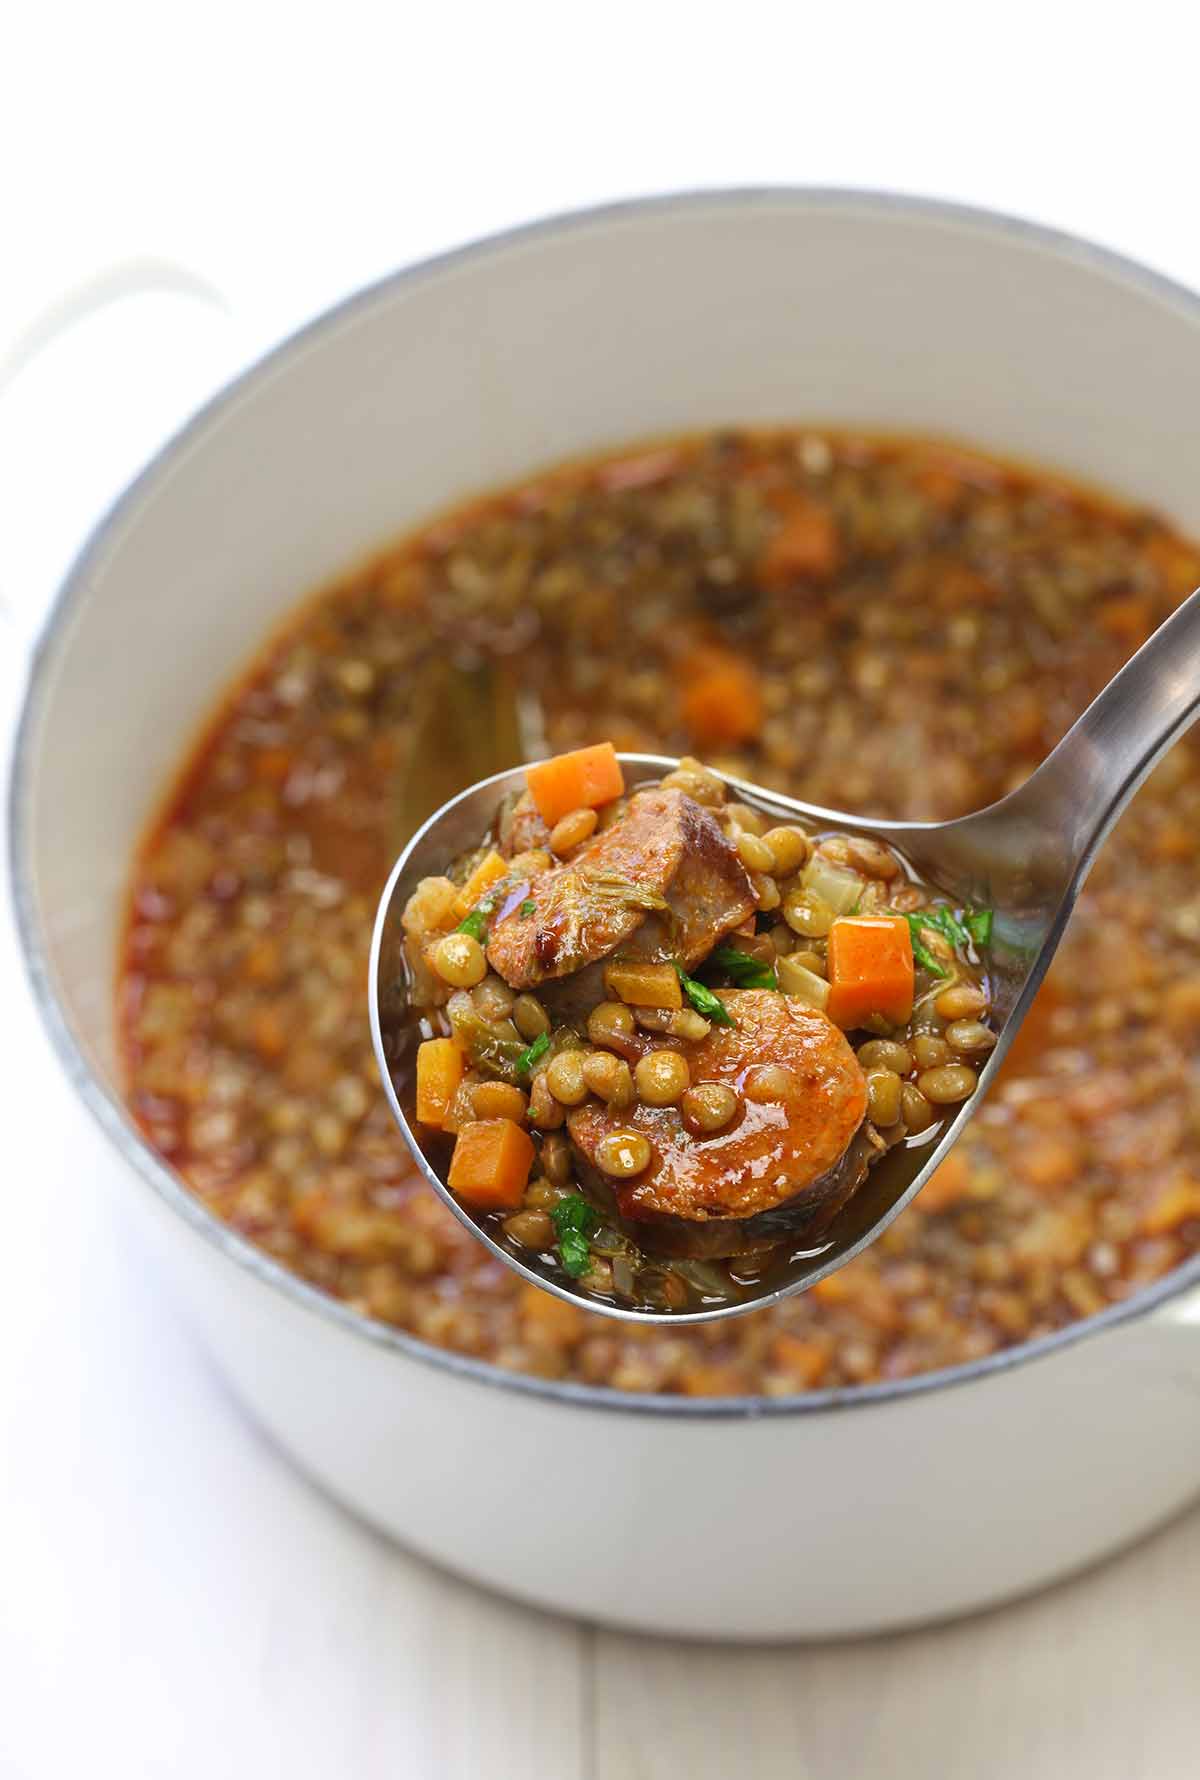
column 825, row 1514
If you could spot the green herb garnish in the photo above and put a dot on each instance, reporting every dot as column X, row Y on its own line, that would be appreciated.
column 973, row 925
column 476, row 923
column 921, row 952
column 528, row 908
column 978, row 923
column 574, row 1220
column 703, row 1000
column 574, row 1213
column 574, row 1253
column 947, row 923
column 533, row 1053
column 747, row 972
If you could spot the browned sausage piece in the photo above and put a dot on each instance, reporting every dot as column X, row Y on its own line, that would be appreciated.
column 662, row 883
column 524, row 828
column 801, row 1152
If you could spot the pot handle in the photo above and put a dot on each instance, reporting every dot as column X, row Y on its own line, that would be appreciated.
column 140, row 276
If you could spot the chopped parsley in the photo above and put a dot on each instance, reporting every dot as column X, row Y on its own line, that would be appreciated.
column 475, row 924
column 747, row 972
column 974, row 925
column 703, row 1000
column 574, row 1220
column 574, row 1253
column 921, row 952
column 533, row 1053
column 947, row 923
column 527, row 908
column 978, row 923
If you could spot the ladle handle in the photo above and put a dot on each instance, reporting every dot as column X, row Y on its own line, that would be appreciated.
column 1082, row 787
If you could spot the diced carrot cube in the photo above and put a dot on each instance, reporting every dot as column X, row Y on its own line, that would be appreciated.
column 806, row 545
column 870, row 967
column 1173, row 839
column 1176, row 1204
column 1181, row 1005
column 586, row 777
column 263, row 962
column 600, row 775
column 1036, row 1031
column 712, row 1378
column 1178, row 564
column 1050, row 1160
column 946, row 1185
column 721, row 702
column 490, row 1165
column 490, row 869
column 270, row 1032
column 806, row 1361
column 440, row 1068
column 551, row 1318
column 940, row 487
column 859, row 1286
column 271, row 766
column 1128, row 618
column 833, row 1289
column 644, row 985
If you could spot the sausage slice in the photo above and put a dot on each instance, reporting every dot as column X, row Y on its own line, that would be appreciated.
column 786, row 1163
column 663, row 882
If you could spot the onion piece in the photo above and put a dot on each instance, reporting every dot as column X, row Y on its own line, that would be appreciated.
column 835, row 885
column 802, row 984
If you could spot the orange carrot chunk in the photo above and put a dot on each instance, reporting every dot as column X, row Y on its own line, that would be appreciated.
column 870, row 965
column 490, row 1165
column 587, row 777
column 1176, row 1204
column 721, row 700
column 1128, row 618
column 559, row 1323
column 947, row 1185
column 439, row 1076
column 601, row 773
column 490, row 868
column 806, row 545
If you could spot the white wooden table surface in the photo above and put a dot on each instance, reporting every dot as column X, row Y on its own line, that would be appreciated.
column 174, row 1599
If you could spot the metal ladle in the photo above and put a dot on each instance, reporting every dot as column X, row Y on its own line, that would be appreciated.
column 1025, row 857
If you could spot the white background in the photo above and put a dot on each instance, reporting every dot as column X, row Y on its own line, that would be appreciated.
column 173, row 1600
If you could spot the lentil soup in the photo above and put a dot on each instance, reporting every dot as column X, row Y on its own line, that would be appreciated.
column 660, row 1042
column 896, row 627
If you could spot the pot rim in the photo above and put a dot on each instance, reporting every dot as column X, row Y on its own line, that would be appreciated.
column 111, row 1114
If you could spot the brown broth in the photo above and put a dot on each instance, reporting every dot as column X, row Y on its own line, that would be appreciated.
column 920, row 650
